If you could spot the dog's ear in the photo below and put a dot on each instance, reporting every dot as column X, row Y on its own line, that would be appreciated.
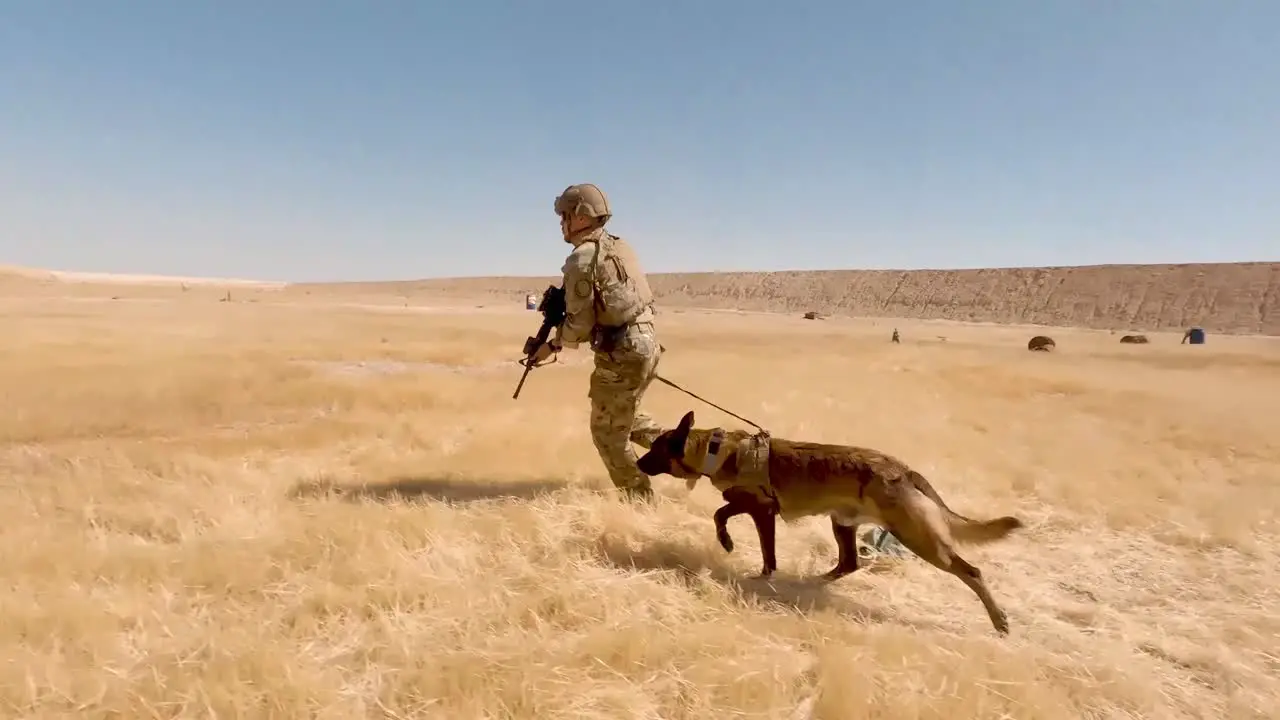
column 678, row 437
column 686, row 422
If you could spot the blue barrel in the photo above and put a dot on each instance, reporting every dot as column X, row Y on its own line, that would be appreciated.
column 530, row 302
column 1195, row 336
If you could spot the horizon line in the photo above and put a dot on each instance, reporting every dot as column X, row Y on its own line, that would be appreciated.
column 89, row 276
column 797, row 271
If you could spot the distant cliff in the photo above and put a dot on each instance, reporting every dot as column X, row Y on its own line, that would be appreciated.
column 1226, row 297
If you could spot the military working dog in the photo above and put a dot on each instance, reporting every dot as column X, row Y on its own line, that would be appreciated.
column 765, row 477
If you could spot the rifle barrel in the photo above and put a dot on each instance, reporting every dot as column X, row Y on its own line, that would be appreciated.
column 527, row 367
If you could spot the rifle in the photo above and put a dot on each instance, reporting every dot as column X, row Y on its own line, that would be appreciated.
column 552, row 307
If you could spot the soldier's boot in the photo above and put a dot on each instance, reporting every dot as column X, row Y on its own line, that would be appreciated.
column 620, row 461
column 633, row 484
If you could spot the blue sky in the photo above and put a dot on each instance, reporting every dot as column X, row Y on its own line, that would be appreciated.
column 318, row 140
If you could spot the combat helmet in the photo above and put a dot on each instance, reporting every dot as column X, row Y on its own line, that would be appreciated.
column 584, row 199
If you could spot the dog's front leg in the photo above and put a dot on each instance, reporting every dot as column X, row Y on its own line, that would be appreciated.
column 737, row 502
column 727, row 512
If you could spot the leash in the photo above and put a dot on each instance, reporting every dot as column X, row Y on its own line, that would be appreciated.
column 526, row 363
column 695, row 396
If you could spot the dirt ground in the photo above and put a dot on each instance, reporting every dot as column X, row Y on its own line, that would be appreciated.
column 306, row 507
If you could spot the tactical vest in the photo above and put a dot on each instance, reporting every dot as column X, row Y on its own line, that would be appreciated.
column 622, row 294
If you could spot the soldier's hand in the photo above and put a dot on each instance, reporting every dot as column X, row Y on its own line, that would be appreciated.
column 544, row 351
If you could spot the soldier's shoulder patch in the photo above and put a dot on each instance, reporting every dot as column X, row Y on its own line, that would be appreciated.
column 582, row 288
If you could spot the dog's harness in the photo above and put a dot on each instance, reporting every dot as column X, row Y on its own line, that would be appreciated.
column 753, row 460
column 710, row 463
column 753, row 463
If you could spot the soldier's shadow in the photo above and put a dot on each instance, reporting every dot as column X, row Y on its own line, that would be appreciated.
column 445, row 488
column 691, row 564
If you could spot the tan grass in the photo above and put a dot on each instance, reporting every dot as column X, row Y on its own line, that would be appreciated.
column 214, row 510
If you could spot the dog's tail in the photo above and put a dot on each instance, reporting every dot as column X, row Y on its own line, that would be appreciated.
column 978, row 532
column 963, row 529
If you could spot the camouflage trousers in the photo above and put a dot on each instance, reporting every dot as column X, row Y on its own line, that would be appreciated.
column 618, row 383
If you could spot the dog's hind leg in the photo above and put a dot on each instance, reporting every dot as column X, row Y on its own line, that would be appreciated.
column 922, row 529
column 847, row 547
column 971, row 577
column 766, row 524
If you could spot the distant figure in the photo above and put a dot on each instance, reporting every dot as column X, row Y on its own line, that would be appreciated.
column 895, row 336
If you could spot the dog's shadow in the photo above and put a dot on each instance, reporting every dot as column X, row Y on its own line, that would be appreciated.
column 805, row 594
column 444, row 488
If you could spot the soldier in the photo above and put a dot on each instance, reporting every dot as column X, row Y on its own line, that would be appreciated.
column 609, row 304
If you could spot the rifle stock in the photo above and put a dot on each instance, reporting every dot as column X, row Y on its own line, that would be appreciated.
column 552, row 307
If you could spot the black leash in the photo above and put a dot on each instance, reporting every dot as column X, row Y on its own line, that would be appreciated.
column 525, row 362
column 695, row 396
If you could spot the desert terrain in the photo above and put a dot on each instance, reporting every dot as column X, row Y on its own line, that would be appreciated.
column 1241, row 298
column 235, row 500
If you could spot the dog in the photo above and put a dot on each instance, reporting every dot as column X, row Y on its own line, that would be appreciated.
column 852, row 485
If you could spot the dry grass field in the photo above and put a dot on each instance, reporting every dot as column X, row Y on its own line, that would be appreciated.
column 300, row 508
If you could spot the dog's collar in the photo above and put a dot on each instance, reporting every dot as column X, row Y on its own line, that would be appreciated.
column 711, row 461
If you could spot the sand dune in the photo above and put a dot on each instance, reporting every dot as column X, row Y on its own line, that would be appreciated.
column 1235, row 298
column 1222, row 298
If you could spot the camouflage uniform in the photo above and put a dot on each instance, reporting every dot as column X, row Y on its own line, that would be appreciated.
column 609, row 304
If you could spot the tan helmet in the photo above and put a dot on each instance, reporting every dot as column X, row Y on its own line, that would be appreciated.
column 584, row 199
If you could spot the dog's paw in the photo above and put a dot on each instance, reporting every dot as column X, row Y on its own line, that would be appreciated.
column 837, row 572
column 726, row 542
column 1001, row 623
